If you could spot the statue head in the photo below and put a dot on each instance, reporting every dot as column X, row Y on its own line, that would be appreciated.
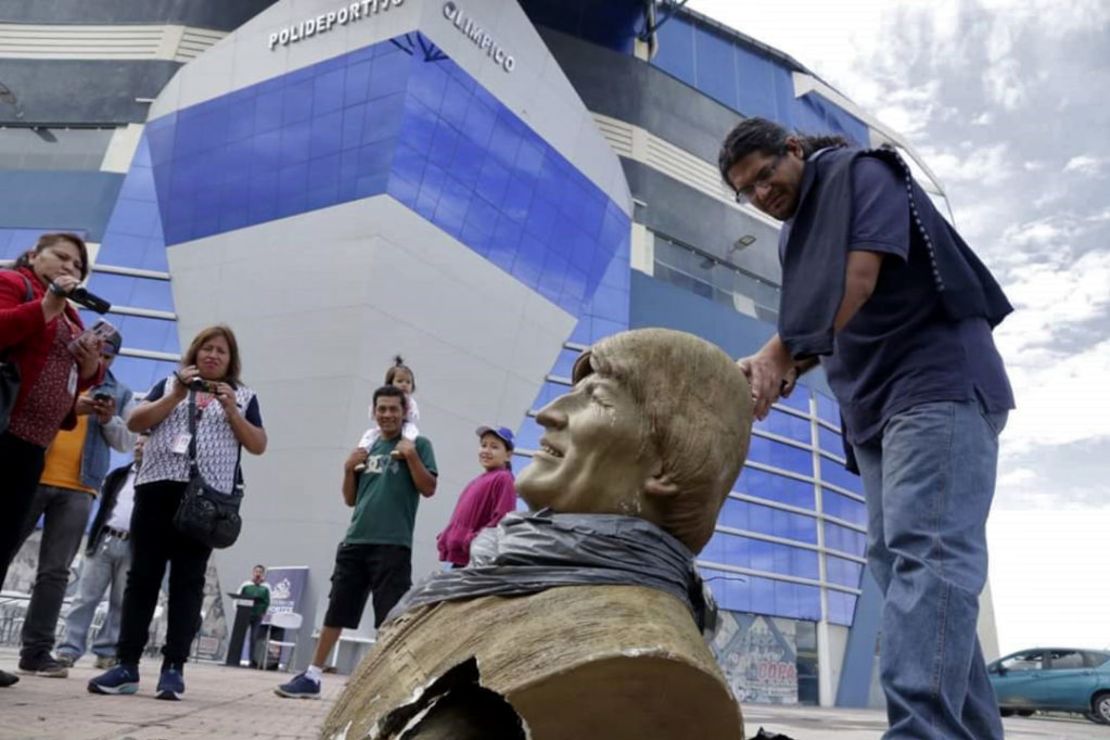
column 656, row 426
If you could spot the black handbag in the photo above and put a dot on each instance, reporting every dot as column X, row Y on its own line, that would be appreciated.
column 9, row 373
column 206, row 514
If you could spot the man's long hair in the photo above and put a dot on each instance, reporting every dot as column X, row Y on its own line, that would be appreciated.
column 766, row 137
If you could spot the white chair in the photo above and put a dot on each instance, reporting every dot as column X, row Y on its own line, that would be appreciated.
column 290, row 622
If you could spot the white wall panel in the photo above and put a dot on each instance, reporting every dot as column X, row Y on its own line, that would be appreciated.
column 320, row 303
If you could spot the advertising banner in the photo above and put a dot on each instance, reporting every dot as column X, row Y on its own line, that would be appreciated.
column 759, row 657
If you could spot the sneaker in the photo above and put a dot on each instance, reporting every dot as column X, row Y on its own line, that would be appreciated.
column 171, row 685
column 67, row 659
column 43, row 665
column 8, row 679
column 123, row 679
column 301, row 687
column 104, row 662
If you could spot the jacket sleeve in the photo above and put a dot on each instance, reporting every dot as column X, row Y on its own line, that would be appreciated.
column 115, row 431
column 19, row 319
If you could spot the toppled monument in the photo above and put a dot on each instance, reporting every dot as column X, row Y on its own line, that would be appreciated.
column 584, row 618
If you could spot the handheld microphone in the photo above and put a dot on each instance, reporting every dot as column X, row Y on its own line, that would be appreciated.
column 83, row 297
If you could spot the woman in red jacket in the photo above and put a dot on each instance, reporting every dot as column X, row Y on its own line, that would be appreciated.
column 35, row 335
column 485, row 499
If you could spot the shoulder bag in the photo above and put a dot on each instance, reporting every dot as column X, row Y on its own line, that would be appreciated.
column 206, row 514
column 9, row 372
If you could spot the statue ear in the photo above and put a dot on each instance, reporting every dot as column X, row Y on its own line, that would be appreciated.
column 660, row 484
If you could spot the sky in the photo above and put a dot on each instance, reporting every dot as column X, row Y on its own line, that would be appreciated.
column 1006, row 101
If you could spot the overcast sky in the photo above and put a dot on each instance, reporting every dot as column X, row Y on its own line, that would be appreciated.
column 1007, row 102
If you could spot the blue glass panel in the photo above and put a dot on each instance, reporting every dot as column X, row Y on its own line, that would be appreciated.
column 843, row 572
column 845, row 540
column 756, row 595
column 838, row 475
column 134, row 292
column 155, row 335
column 786, row 425
column 842, row 507
column 716, row 67
column 770, row 452
column 776, row 488
column 842, row 607
column 828, row 409
column 676, row 50
column 799, row 400
column 830, row 441
column 140, row 374
column 14, row 242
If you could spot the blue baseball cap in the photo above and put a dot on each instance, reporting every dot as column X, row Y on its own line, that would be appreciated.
column 503, row 433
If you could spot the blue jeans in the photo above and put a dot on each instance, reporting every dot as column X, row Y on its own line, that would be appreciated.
column 929, row 482
column 65, row 514
column 107, row 567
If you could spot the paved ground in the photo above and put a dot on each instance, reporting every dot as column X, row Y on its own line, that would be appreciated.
column 238, row 703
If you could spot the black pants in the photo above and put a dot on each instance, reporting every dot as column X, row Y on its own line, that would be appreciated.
column 20, row 469
column 154, row 543
column 383, row 570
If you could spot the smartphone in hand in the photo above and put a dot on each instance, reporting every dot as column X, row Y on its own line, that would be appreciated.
column 101, row 330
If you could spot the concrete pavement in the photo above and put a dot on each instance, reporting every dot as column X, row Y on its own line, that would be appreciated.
column 229, row 703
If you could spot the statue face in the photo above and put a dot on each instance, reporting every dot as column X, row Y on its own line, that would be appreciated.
column 591, row 457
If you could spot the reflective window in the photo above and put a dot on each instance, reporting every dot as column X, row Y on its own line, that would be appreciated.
column 842, row 507
column 1062, row 660
column 843, row 572
column 134, row 292
column 26, row 148
column 830, row 441
column 845, row 540
column 838, row 475
column 756, row 518
column 772, row 557
column 14, row 242
column 842, row 607
column 758, row 595
column 140, row 374
column 156, row 335
column 715, row 279
column 1032, row 660
column 776, row 488
column 828, row 409
column 786, row 425
column 781, row 455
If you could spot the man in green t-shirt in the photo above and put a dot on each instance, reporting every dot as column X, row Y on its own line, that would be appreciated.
column 258, row 589
column 383, row 485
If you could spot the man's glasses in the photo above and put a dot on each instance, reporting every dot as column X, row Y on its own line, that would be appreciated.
column 762, row 181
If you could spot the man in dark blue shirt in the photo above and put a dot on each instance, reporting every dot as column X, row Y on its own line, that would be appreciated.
column 880, row 288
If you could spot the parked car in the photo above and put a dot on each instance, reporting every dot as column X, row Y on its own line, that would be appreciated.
column 1053, row 679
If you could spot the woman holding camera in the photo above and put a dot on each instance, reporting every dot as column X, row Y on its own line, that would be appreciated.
column 227, row 418
column 38, row 329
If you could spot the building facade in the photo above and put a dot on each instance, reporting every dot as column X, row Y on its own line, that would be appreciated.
column 482, row 186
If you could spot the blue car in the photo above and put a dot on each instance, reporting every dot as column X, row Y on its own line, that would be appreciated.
column 1053, row 679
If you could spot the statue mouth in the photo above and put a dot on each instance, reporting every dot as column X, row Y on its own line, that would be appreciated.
column 546, row 448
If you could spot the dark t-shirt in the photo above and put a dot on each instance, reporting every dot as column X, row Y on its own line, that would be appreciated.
column 385, row 505
column 900, row 349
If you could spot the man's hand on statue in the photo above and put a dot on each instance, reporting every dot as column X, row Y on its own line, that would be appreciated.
column 789, row 382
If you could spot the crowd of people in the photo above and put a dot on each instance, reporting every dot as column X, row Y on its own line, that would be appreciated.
column 68, row 411
column 877, row 287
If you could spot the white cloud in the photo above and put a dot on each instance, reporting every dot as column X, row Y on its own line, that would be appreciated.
column 1085, row 164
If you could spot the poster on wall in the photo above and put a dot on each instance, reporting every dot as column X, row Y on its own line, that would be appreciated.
column 759, row 657
column 287, row 586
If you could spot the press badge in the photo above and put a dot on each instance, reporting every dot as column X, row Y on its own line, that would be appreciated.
column 71, row 384
column 181, row 443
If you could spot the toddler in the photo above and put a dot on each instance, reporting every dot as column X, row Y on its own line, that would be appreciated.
column 399, row 375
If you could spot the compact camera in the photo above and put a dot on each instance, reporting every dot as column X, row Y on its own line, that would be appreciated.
column 203, row 386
